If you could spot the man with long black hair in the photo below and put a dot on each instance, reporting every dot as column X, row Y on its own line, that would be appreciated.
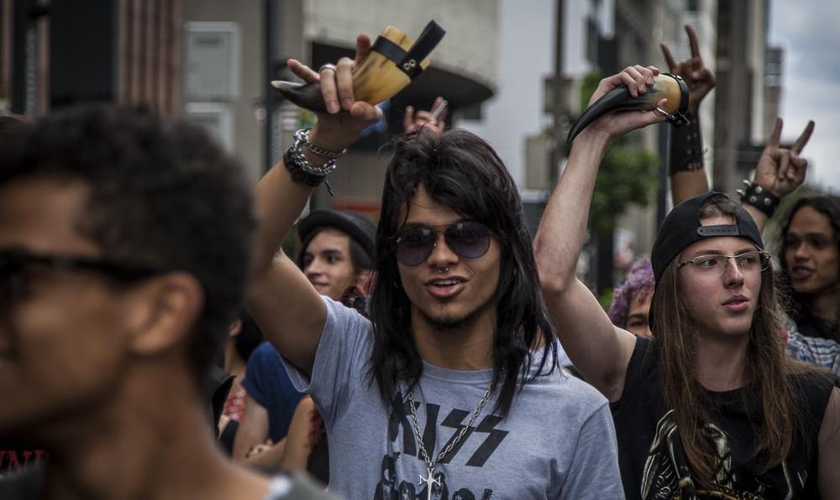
column 455, row 376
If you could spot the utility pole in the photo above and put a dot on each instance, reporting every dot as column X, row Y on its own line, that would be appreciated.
column 270, row 97
column 558, row 97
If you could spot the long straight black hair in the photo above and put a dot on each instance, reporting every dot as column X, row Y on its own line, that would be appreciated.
column 463, row 172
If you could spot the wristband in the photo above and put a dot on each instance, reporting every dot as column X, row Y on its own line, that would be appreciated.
column 296, row 168
column 686, row 150
column 759, row 197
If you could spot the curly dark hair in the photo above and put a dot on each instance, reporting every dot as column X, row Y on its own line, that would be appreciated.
column 12, row 123
column 162, row 193
column 461, row 171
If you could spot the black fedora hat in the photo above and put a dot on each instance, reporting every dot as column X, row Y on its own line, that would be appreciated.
column 359, row 227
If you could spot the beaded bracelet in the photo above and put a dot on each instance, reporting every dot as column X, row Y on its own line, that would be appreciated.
column 759, row 197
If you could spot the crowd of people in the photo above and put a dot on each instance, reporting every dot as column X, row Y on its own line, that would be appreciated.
column 419, row 356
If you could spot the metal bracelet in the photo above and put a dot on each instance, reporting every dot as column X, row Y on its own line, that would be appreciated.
column 294, row 160
column 303, row 163
column 302, row 136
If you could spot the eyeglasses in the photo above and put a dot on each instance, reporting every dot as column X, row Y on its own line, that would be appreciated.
column 468, row 239
column 14, row 261
column 716, row 264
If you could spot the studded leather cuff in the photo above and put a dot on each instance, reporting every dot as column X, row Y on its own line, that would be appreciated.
column 686, row 148
column 759, row 197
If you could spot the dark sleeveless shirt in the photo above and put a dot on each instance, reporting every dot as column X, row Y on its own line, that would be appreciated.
column 649, row 448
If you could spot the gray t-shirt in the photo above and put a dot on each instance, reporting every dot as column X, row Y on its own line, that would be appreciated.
column 558, row 440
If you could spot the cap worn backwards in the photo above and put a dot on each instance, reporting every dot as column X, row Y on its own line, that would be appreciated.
column 682, row 227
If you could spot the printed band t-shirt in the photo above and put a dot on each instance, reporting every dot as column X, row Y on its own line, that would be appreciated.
column 649, row 449
column 558, row 440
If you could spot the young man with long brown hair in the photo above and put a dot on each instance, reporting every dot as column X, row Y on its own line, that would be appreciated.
column 710, row 407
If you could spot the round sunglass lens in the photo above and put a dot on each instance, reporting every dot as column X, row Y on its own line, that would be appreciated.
column 414, row 246
column 468, row 239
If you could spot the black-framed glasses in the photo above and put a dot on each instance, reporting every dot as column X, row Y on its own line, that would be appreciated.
column 716, row 264
column 15, row 261
column 468, row 239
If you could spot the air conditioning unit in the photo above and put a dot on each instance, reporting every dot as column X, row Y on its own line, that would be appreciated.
column 216, row 118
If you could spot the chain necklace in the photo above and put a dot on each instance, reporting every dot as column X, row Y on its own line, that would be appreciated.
column 430, row 465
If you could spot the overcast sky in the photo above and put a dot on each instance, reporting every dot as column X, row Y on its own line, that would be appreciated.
column 809, row 33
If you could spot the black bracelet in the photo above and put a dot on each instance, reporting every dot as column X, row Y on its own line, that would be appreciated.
column 299, row 175
column 760, row 198
column 686, row 148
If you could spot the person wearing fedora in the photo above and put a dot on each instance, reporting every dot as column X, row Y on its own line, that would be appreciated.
column 337, row 250
column 710, row 406
column 336, row 255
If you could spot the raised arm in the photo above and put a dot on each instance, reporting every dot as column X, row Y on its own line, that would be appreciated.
column 434, row 119
column 599, row 350
column 687, row 167
column 779, row 172
column 288, row 309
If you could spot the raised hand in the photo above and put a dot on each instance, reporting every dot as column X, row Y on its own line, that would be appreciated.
column 637, row 79
column 781, row 170
column 433, row 120
column 697, row 76
column 336, row 129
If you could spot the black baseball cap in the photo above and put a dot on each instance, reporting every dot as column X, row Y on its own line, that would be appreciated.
column 682, row 227
column 359, row 227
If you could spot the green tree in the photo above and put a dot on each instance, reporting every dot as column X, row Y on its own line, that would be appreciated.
column 628, row 174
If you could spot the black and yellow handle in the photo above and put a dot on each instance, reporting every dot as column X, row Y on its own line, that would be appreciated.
column 394, row 61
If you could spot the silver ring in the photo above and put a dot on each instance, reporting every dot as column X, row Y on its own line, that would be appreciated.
column 327, row 66
column 661, row 112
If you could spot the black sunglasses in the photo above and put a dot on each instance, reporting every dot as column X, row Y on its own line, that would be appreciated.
column 414, row 244
column 13, row 262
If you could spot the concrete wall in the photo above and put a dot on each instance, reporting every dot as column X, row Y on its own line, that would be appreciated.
column 247, row 14
column 470, row 46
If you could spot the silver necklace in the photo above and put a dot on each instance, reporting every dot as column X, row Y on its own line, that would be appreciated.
column 430, row 465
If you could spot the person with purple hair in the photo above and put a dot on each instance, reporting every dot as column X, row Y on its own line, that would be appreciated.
column 631, row 299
